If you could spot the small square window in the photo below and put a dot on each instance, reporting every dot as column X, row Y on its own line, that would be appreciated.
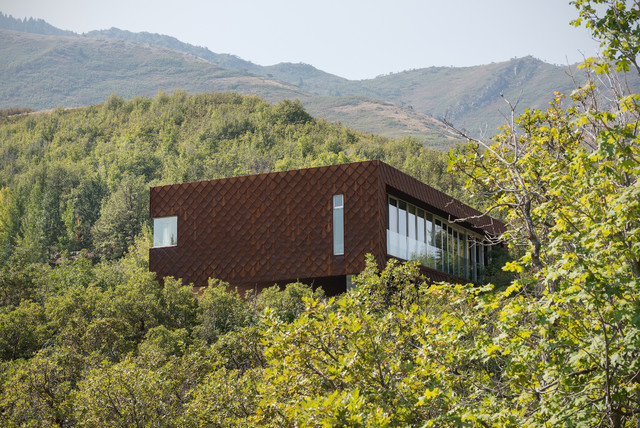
column 165, row 231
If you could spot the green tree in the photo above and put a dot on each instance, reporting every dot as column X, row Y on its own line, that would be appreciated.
column 121, row 218
column 31, row 243
column 567, row 333
column 39, row 391
column 125, row 394
column 221, row 311
column 86, row 200
column 23, row 331
column 8, row 224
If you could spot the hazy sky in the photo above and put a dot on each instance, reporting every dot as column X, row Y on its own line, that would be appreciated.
column 356, row 39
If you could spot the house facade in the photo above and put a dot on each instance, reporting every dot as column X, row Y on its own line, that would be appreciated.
column 313, row 225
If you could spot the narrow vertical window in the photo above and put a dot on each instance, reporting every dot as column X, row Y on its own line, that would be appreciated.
column 421, row 226
column 465, row 252
column 338, row 225
column 411, row 232
column 481, row 261
column 439, row 251
column 453, row 257
column 393, row 215
column 472, row 261
column 402, row 219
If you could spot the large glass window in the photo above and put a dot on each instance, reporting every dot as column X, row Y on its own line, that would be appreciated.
column 440, row 238
column 338, row 225
column 393, row 215
column 412, row 242
column 416, row 234
column 402, row 218
column 165, row 231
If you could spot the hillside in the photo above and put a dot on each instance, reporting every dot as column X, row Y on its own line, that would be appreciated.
column 228, row 61
column 382, row 118
column 469, row 97
column 35, row 26
column 43, row 72
column 66, row 164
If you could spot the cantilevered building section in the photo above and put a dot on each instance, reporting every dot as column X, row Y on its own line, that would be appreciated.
column 314, row 225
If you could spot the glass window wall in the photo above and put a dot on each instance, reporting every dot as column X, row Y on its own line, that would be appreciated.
column 416, row 234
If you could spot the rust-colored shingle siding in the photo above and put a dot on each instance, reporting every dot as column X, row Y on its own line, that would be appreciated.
column 267, row 228
column 437, row 202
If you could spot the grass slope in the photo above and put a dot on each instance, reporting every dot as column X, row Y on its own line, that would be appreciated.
column 42, row 72
column 469, row 97
column 382, row 118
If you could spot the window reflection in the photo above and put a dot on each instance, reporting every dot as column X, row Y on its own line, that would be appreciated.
column 165, row 231
column 416, row 234
column 338, row 225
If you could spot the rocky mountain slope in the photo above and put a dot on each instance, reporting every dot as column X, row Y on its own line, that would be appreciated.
column 59, row 68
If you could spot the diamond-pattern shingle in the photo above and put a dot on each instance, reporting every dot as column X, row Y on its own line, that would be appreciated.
column 261, row 229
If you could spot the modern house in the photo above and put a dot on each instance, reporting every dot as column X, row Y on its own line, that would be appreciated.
column 314, row 225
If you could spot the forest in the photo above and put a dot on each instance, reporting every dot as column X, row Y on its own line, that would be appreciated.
column 88, row 337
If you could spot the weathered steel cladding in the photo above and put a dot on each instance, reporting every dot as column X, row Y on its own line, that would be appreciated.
column 408, row 188
column 270, row 227
column 275, row 228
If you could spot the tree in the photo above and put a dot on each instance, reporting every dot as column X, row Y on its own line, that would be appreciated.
column 8, row 224
column 567, row 333
column 23, row 331
column 86, row 200
column 39, row 391
column 121, row 218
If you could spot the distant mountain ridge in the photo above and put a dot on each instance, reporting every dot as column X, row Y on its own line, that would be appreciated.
column 223, row 60
column 72, row 70
column 36, row 26
column 470, row 97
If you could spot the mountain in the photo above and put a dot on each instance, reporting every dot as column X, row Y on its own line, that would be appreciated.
column 229, row 61
column 474, row 97
column 36, row 26
column 44, row 71
column 470, row 97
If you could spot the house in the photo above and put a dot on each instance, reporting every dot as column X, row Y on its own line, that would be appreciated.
column 314, row 225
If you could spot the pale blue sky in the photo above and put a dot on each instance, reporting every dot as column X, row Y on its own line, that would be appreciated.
column 356, row 39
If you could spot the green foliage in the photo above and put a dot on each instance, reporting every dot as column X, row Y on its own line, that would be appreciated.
column 225, row 398
column 124, row 394
column 106, row 345
column 221, row 312
column 40, row 391
column 392, row 352
column 78, row 179
column 566, row 332
column 121, row 218
column 616, row 27
column 287, row 304
column 23, row 330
